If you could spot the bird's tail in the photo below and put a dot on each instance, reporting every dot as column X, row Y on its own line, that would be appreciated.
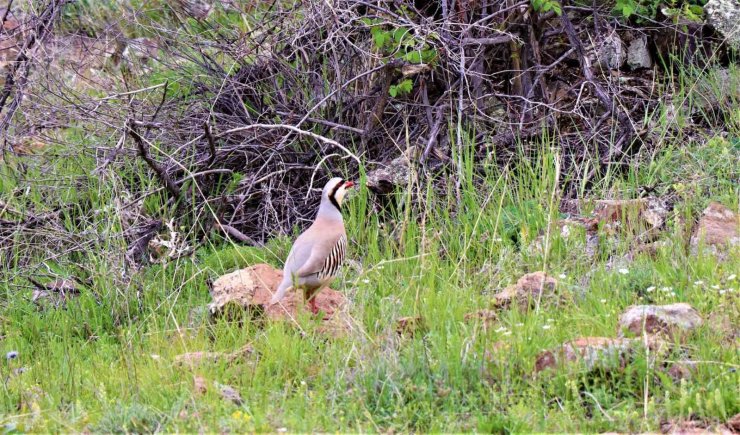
column 283, row 288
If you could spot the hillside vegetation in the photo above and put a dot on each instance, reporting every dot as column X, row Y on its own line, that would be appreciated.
column 522, row 187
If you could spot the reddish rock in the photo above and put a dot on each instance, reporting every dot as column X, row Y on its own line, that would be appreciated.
column 690, row 427
column 718, row 226
column 410, row 325
column 655, row 319
column 195, row 358
column 615, row 210
column 733, row 424
column 594, row 352
column 485, row 317
column 528, row 290
column 682, row 370
column 252, row 289
column 200, row 385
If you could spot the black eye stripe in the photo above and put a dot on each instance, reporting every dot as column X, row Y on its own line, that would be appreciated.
column 333, row 192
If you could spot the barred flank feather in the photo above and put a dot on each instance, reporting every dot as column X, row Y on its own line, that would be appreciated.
column 334, row 260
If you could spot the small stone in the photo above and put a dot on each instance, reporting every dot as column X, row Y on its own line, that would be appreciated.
column 638, row 55
column 230, row 394
column 395, row 174
column 200, row 385
column 530, row 288
column 682, row 370
column 718, row 227
column 410, row 325
column 610, row 52
column 196, row 358
column 656, row 319
column 485, row 317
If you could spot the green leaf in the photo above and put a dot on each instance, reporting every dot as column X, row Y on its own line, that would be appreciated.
column 399, row 34
column 406, row 86
column 379, row 37
column 413, row 57
column 393, row 91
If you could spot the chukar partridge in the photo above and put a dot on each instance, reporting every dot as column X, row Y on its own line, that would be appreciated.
column 318, row 252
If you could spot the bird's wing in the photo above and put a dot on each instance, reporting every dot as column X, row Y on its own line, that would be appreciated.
column 325, row 253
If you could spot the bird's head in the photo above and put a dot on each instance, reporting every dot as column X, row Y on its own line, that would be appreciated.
column 335, row 190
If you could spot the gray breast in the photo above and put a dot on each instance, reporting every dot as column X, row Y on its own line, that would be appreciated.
column 334, row 260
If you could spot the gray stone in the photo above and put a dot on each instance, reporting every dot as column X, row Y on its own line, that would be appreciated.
column 655, row 319
column 724, row 15
column 638, row 55
column 610, row 52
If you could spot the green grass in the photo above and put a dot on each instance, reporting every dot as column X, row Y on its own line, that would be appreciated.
column 106, row 361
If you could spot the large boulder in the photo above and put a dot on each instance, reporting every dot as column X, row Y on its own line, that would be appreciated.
column 595, row 353
column 252, row 288
column 724, row 15
column 670, row 319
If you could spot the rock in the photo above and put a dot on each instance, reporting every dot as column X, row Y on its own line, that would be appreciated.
column 410, row 325
column 643, row 217
column 638, row 55
column 616, row 210
column 724, row 15
column 530, row 288
column 395, row 174
column 718, row 227
column 610, row 53
column 733, row 424
column 195, row 358
column 655, row 319
column 55, row 293
column 594, row 352
column 485, row 317
column 251, row 289
column 409, row 70
column 682, row 370
column 230, row 394
column 690, row 427
column 200, row 385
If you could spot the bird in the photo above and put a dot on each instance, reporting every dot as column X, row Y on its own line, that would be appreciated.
column 318, row 253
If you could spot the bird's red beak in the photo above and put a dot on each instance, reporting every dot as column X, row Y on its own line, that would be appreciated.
column 348, row 184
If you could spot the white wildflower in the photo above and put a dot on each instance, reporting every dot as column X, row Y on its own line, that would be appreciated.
column 624, row 271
